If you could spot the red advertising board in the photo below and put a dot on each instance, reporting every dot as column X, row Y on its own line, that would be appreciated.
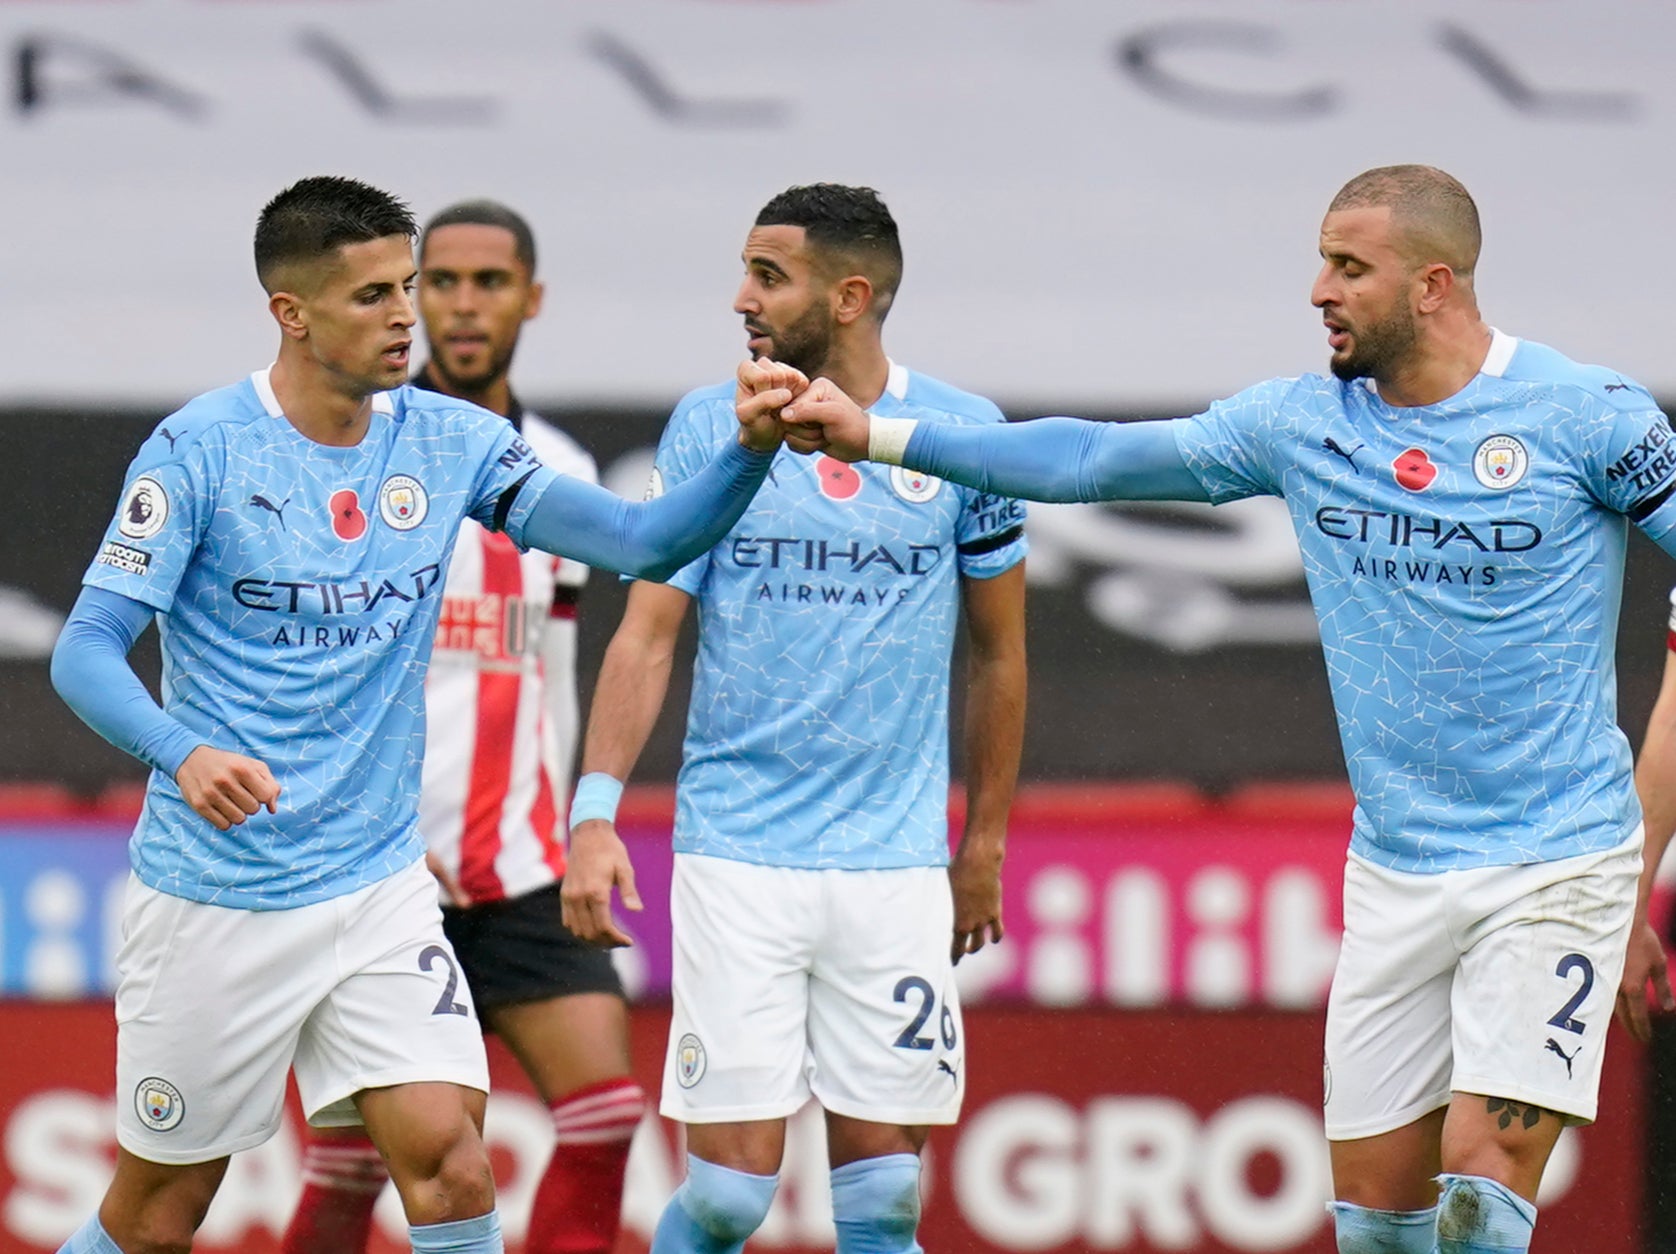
column 1087, row 1129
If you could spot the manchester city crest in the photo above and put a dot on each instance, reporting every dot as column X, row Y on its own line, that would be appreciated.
column 159, row 1104
column 689, row 1060
column 402, row 502
column 1500, row 462
column 914, row 486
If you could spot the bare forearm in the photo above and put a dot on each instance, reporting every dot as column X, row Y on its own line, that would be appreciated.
column 1655, row 784
column 993, row 738
column 633, row 682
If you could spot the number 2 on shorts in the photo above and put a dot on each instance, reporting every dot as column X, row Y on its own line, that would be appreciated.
column 445, row 1005
column 1562, row 1017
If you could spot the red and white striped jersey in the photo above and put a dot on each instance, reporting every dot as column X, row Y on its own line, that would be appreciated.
column 501, row 705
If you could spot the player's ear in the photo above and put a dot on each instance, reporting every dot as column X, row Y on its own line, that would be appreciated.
column 852, row 297
column 287, row 309
column 532, row 302
column 1437, row 284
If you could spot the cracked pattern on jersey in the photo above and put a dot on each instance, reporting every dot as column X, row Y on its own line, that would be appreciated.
column 297, row 589
column 818, row 731
column 1465, row 560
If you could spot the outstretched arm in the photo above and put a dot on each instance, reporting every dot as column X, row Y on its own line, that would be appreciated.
column 91, row 672
column 654, row 539
column 647, row 539
column 1050, row 459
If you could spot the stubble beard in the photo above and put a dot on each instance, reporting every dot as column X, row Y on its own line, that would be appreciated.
column 806, row 344
column 1377, row 348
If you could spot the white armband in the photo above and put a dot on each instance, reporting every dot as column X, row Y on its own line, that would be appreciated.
column 887, row 438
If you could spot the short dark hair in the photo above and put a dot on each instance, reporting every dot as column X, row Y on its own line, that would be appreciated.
column 486, row 213
column 1435, row 212
column 851, row 224
column 314, row 217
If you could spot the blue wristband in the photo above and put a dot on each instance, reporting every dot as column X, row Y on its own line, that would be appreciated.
column 596, row 797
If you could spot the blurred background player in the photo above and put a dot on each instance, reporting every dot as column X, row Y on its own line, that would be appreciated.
column 287, row 533
column 1458, row 494
column 502, row 724
column 812, row 914
column 1646, row 970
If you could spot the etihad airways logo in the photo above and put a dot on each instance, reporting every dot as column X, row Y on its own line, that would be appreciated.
column 1371, row 526
column 826, row 556
column 361, row 596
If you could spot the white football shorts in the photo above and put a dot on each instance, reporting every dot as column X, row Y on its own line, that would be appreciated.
column 791, row 983
column 214, row 1005
column 1496, row 980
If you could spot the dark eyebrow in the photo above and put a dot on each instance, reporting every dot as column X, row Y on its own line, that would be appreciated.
column 1341, row 257
column 763, row 263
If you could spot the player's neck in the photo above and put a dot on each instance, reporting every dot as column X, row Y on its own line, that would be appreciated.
column 1438, row 368
column 861, row 372
column 318, row 410
column 494, row 396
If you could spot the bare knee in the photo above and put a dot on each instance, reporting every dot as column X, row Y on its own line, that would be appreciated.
column 1498, row 1139
column 443, row 1176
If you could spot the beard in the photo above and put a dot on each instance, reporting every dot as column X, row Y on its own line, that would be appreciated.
column 476, row 379
column 806, row 343
column 1377, row 347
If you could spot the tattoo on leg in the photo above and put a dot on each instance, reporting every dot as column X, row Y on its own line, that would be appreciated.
column 1526, row 1114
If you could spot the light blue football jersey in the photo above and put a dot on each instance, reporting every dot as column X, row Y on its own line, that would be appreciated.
column 1466, row 562
column 819, row 727
column 297, row 588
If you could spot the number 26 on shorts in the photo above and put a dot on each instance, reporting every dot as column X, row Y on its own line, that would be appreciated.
column 909, row 989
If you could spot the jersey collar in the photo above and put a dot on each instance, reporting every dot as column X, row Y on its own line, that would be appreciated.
column 895, row 394
column 1496, row 361
column 1500, row 356
column 381, row 403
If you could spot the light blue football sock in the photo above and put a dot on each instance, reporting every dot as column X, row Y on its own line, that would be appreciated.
column 90, row 1238
column 875, row 1205
column 1477, row 1215
column 713, row 1211
column 1363, row 1230
column 479, row 1235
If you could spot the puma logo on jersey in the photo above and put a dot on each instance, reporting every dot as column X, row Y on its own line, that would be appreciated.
column 1332, row 446
column 1554, row 1046
column 278, row 511
column 943, row 1065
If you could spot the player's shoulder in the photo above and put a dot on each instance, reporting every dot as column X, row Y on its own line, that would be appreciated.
column 934, row 398
column 205, row 420
column 558, row 448
column 1538, row 364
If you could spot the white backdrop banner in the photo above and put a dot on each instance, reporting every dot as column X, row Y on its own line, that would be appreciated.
column 1103, row 204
